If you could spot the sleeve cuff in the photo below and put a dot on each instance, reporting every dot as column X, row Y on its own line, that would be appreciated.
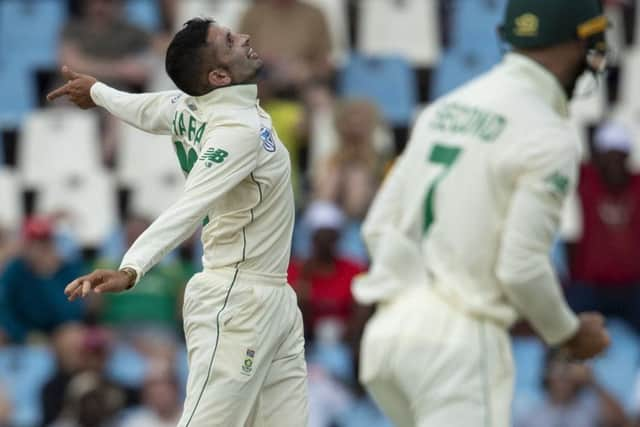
column 96, row 92
column 568, row 324
column 138, row 270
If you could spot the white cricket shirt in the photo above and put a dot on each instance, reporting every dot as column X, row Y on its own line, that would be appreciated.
column 238, row 178
column 473, row 204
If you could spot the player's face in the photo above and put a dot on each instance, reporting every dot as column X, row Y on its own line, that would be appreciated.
column 238, row 62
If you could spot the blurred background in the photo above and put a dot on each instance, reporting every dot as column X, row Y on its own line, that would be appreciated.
column 343, row 81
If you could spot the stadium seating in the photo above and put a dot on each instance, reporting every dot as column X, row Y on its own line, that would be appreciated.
column 528, row 356
column 388, row 81
column 225, row 12
column 58, row 143
column 87, row 204
column 335, row 12
column 144, row 13
column 629, row 82
column 10, row 208
column 588, row 107
column 616, row 369
column 23, row 372
column 474, row 49
column 409, row 28
column 19, row 42
column 147, row 165
column 17, row 86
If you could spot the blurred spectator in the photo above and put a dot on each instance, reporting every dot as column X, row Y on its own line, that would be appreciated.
column 323, row 282
column 161, row 401
column 293, row 39
column 573, row 399
column 81, row 352
column 90, row 402
column 68, row 343
column 154, row 304
column 351, row 175
column 9, row 247
column 603, row 258
column 103, row 44
column 5, row 410
column 32, row 286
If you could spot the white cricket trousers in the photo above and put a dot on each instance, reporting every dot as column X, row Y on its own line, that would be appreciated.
column 245, row 348
column 427, row 364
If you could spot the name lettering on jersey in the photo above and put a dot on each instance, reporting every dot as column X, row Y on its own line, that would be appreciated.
column 213, row 155
column 464, row 119
column 186, row 159
column 194, row 131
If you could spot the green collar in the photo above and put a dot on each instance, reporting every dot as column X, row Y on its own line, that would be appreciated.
column 545, row 84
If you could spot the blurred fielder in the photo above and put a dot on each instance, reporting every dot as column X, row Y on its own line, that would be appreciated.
column 461, row 230
column 242, row 325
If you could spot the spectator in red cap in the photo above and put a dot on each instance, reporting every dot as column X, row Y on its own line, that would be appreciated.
column 32, row 285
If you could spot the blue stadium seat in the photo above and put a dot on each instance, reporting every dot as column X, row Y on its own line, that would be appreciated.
column 475, row 46
column 29, row 31
column 528, row 356
column 617, row 369
column 335, row 358
column 17, row 87
column 351, row 244
column 23, row 372
column 144, row 13
column 390, row 82
column 126, row 366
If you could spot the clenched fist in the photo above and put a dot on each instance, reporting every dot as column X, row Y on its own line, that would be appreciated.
column 77, row 89
column 590, row 340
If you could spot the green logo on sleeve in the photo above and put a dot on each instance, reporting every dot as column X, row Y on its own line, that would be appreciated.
column 213, row 155
column 559, row 183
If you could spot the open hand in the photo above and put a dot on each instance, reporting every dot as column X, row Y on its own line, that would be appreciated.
column 99, row 281
column 77, row 88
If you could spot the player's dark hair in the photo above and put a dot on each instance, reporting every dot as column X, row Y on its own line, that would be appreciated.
column 185, row 61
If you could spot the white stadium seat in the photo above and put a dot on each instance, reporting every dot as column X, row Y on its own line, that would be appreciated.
column 58, row 142
column 10, row 204
column 225, row 12
column 87, row 204
column 587, row 108
column 147, row 165
column 409, row 28
column 629, row 83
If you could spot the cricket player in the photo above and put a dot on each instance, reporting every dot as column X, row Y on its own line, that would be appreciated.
column 461, row 230
column 243, row 328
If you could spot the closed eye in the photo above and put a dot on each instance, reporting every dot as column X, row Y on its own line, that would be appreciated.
column 229, row 40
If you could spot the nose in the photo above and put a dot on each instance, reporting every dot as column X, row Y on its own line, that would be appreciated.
column 246, row 38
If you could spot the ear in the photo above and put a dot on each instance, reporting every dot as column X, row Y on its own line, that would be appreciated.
column 219, row 77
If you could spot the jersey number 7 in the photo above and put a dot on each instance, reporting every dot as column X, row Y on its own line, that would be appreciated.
column 445, row 155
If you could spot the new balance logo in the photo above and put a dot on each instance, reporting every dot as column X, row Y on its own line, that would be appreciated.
column 213, row 155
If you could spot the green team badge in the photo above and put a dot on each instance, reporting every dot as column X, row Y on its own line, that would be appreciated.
column 213, row 155
column 247, row 365
column 559, row 183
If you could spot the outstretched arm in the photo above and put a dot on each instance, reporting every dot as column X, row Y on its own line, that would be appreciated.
column 229, row 155
column 150, row 112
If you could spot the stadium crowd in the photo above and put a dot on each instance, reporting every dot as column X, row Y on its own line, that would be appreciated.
column 343, row 80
